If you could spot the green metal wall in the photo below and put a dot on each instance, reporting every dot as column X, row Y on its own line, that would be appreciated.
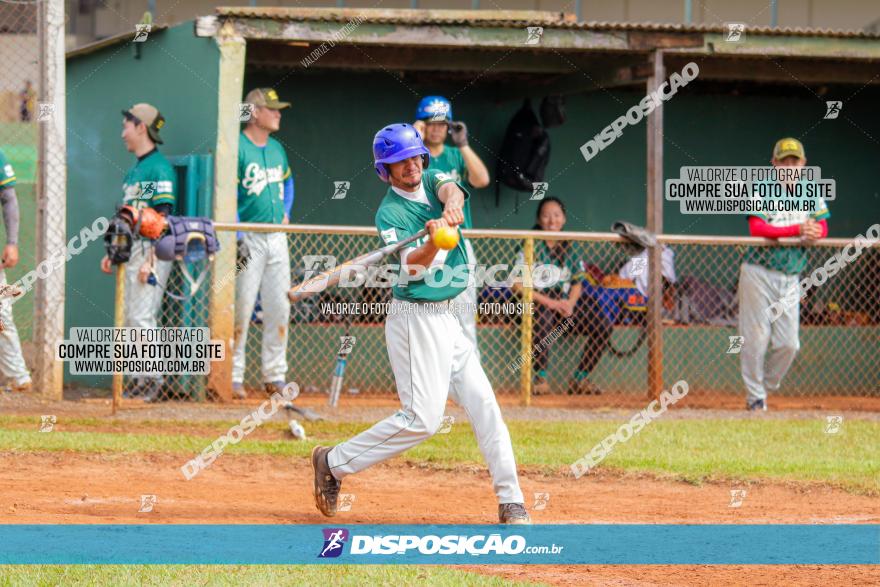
column 177, row 73
column 329, row 130
column 328, row 134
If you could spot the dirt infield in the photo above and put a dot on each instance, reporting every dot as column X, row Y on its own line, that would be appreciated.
column 95, row 488
column 374, row 408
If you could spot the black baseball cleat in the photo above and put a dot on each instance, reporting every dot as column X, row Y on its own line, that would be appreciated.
column 326, row 485
column 273, row 387
column 513, row 513
column 758, row 405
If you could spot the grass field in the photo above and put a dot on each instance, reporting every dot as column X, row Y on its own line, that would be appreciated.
column 708, row 455
column 186, row 575
column 690, row 450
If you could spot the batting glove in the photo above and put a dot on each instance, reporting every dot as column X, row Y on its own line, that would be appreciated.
column 459, row 134
column 242, row 253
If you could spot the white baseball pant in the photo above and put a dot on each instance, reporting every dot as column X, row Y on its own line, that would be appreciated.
column 759, row 288
column 12, row 363
column 143, row 301
column 267, row 273
column 429, row 351
column 468, row 299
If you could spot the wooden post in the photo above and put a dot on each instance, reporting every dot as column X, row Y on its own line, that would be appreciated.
column 51, row 234
column 655, row 225
column 525, row 377
column 221, row 310
column 118, row 322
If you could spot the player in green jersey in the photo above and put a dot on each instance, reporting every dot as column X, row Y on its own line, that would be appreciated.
column 151, row 182
column 431, row 357
column 434, row 123
column 265, row 195
column 12, row 363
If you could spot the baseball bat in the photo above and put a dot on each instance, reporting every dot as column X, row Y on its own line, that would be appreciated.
column 322, row 281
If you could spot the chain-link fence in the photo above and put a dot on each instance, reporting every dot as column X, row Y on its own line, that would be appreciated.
column 594, row 347
column 32, row 175
column 175, row 296
column 591, row 349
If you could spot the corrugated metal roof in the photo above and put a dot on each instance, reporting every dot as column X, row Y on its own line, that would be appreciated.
column 510, row 19
column 124, row 37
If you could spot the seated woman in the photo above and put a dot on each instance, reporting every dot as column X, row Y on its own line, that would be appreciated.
column 561, row 300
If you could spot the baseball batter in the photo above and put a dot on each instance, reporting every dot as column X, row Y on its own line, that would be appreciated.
column 151, row 182
column 430, row 355
column 11, row 360
column 265, row 194
column 767, row 276
column 434, row 123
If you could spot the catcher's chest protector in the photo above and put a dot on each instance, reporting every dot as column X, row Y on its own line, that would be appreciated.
column 188, row 239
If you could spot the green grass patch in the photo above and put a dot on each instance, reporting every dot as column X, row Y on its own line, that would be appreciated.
column 690, row 450
column 234, row 575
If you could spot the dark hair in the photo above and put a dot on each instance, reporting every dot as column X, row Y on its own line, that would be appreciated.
column 545, row 201
column 563, row 245
column 132, row 118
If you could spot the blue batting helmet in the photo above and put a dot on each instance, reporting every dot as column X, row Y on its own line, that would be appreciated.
column 434, row 109
column 394, row 143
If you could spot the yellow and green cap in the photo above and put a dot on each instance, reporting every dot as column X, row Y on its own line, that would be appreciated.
column 787, row 147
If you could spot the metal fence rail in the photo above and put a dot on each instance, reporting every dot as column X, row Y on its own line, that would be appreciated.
column 840, row 322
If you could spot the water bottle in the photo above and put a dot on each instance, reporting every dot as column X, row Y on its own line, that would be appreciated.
column 336, row 381
column 297, row 430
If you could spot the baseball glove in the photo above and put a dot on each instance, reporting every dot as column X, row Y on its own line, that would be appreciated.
column 152, row 224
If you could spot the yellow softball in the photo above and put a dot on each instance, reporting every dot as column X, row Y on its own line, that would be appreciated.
column 446, row 237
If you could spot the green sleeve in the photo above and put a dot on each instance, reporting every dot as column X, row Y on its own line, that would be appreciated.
column 439, row 178
column 7, row 173
column 166, row 188
column 822, row 212
column 286, row 164
column 392, row 229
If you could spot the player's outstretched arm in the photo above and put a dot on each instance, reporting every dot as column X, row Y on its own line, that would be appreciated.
column 416, row 260
column 453, row 204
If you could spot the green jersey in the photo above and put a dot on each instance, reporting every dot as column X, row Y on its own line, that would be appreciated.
column 568, row 267
column 451, row 163
column 7, row 173
column 788, row 260
column 151, row 181
column 401, row 216
column 262, row 172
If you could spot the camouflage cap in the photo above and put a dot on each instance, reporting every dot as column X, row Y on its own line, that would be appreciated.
column 265, row 98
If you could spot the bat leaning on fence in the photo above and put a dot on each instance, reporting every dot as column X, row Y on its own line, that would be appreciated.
column 320, row 282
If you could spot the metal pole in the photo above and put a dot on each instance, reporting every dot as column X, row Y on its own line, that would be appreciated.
column 51, row 201
column 525, row 376
column 688, row 11
column 774, row 13
column 655, row 224
column 577, row 10
column 118, row 322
